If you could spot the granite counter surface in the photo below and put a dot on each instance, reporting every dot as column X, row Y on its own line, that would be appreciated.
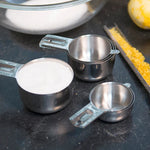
column 21, row 129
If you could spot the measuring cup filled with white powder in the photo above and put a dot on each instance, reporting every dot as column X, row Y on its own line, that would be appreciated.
column 43, row 83
column 47, row 21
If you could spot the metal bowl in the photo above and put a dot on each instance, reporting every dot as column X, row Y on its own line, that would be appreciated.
column 44, row 16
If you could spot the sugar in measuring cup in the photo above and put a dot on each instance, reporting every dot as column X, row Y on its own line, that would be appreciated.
column 43, row 83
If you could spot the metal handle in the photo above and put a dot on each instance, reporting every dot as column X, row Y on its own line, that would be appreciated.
column 85, row 116
column 53, row 41
column 8, row 68
column 128, row 85
column 114, row 51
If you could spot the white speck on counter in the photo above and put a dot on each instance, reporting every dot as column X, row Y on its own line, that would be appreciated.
column 18, row 111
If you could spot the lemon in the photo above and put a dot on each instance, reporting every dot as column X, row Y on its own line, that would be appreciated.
column 139, row 11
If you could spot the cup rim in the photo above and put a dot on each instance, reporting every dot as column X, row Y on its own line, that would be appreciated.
column 41, row 59
column 108, row 57
column 124, row 108
column 8, row 5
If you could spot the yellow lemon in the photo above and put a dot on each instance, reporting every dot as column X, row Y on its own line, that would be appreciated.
column 139, row 11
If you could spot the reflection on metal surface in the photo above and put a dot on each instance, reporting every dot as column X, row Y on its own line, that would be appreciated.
column 111, row 101
column 125, row 56
column 91, row 56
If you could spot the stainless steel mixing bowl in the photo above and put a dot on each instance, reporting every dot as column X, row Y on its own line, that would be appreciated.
column 44, row 16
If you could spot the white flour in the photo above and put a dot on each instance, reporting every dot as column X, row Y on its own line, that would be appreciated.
column 46, row 76
column 50, row 20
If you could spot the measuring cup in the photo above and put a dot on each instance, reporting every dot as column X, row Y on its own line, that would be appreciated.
column 110, row 101
column 91, row 56
column 39, row 101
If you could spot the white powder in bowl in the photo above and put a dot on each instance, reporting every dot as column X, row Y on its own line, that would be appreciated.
column 50, row 20
column 45, row 76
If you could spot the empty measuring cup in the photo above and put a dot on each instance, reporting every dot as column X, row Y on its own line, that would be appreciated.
column 110, row 101
column 43, row 83
column 91, row 56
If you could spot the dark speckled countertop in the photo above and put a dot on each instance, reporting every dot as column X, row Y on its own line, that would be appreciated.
column 21, row 129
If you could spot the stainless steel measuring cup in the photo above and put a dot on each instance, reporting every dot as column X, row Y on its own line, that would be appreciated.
column 40, row 103
column 110, row 101
column 91, row 56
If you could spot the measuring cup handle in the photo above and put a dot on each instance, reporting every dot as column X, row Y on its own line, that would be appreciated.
column 85, row 116
column 8, row 68
column 114, row 51
column 53, row 41
column 128, row 85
